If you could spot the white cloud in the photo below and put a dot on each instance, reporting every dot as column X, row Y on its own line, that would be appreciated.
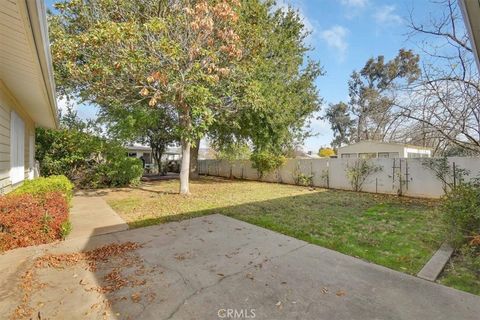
column 335, row 37
column 355, row 3
column 387, row 15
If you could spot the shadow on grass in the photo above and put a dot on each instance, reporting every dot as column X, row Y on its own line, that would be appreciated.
column 399, row 233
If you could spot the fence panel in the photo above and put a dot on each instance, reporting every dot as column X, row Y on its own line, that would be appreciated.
column 406, row 176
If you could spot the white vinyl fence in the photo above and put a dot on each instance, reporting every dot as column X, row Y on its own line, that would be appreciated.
column 405, row 176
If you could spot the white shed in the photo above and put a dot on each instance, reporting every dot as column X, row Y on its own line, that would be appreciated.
column 379, row 149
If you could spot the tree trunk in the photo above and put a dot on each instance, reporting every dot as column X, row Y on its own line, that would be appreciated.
column 194, row 160
column 185, row 168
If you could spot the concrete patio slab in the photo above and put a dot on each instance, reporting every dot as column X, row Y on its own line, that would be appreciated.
column 90, row 215
column 217, row 267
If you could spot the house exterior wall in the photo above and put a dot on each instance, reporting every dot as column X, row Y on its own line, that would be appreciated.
column 381, row 150
column 419, row 152
column 371, row 147
column 8, row 103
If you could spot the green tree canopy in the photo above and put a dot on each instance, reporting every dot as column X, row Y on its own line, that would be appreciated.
column 276, row 94
column 229, row 68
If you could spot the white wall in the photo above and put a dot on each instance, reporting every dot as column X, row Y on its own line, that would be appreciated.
column 409, row 177
column 8, row 104
column 380, row 147
column 371, row 147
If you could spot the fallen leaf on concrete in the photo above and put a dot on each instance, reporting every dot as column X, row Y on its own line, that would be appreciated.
column 136, row 297
column 340, row 293
column 324, row 290
column 181, row 256
column 249, row 276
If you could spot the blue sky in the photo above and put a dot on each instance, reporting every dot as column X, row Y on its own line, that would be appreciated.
column 344, row 35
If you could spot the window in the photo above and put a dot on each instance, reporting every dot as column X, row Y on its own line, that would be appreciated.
column 388, row 154
column 349, row 155
column 31, row 156
column 17, row 148
column 368, row 155
column 132, row 154
column 417, row 155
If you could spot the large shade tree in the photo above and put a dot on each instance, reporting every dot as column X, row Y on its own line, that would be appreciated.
column 155, row 127
column 276, row 94
column 373, row 112
column 165, row 53
column 235, row 71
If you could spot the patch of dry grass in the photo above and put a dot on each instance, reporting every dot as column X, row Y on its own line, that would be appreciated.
column 154, row 202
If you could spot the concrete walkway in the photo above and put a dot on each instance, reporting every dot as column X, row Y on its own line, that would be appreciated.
column 210, row 267
column 90, row 215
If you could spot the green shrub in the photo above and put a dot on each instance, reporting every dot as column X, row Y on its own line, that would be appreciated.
column 266, row 161
column 90, row 161
column 304, row 179
column 65, row 229
column 461, row 213
column 40, row 186
column 120, row 172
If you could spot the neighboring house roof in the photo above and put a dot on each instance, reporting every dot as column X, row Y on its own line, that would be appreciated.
column 25, row 62
column 312, row 156
column 385, row 143
column 471, row 15
column 137, row 147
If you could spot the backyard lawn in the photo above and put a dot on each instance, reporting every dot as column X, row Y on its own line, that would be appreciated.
column 460, row 275
column 398, row 233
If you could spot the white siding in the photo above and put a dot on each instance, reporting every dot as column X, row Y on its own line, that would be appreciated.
column 17, row 148
column 7, row 105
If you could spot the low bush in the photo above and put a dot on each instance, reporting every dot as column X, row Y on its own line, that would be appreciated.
column 461, row 213
column 266, row 161
column 29, row 219
column 304, row 179
column 116, row 173
column 90, row 161
column 40, row 186
column 358, row 172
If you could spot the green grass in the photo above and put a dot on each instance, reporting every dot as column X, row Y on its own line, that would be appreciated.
column 398, row 233
column 461, row 275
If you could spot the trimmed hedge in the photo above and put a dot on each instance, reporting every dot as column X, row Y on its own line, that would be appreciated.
column 30, row 219
column 41, row 186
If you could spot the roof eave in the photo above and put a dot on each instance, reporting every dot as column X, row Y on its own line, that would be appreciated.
column 471, row 15
column 38, row 22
